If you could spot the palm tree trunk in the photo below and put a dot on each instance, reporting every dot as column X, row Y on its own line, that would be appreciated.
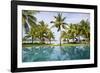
column 79, row 40
column 40, row 38
column 60, row 41
column 50, row 41
column 73, row 40
column 32, row 39
column 67, row 40
column 60, row 38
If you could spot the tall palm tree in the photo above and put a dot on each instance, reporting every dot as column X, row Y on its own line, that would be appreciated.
column 43, row 27
column 85, row 26
column 71, row 30
column 33, row 33
column 28, row 19
column 64, row 36
column 50, row 35
column 59, row 23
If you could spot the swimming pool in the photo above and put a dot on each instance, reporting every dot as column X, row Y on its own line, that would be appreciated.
column 55, row 53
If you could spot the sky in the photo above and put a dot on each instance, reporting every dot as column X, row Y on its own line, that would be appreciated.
column 71, row 17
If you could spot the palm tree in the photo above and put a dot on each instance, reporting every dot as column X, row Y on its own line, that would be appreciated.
column 33, row 33
column 85, row 26
column 76, row 30
column 64, row 36
column 28, row 19
column 59, row 23
column 50, row 35
column 42, row 27
column 71, row 31
column 41, row 31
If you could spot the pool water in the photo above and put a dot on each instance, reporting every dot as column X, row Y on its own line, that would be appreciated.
column 55, row 53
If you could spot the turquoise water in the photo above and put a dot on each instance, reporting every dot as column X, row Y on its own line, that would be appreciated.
column 55, row 53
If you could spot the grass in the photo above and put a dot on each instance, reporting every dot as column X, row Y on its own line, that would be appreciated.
column 70, row 44
column 42, row 44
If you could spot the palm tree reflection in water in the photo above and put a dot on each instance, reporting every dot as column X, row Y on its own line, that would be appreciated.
column 57, row 53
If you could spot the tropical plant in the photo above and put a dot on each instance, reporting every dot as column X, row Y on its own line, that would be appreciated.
column 85, row 29
column 28, row 19
column 50, row 35
column 64, row 36
column 72, row 30
column 41, row 32
column 42, row 27
column 59, row 23
column 33, row 33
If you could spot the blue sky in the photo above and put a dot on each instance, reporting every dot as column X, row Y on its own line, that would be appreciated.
column 71, row 17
